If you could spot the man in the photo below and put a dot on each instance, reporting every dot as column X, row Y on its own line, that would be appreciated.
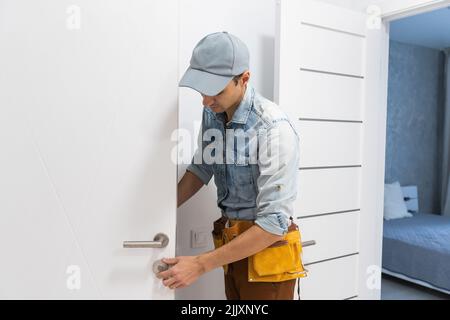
column 262, row 191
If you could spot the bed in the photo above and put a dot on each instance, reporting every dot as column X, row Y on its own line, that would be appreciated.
column 417, row 248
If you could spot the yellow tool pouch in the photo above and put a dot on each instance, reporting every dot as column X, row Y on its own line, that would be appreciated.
column 279, row 262
column 222, row 235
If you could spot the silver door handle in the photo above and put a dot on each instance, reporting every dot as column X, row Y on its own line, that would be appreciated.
column 159, row 241
column 308, row 243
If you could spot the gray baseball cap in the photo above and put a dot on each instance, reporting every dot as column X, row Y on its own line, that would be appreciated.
column 216, row 59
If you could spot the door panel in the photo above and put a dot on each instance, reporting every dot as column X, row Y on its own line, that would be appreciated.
column 87, row 112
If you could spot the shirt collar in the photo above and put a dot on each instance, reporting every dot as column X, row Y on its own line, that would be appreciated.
column 243, row 110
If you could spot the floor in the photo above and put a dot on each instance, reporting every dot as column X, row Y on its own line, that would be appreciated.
column 393, row 288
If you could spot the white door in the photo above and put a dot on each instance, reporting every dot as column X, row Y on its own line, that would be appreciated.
column 88, row 103
column 327, row 76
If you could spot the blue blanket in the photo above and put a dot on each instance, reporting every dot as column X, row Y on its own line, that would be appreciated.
column 419, row 247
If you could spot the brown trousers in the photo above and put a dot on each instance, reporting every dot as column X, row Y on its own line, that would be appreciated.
column 237, row 286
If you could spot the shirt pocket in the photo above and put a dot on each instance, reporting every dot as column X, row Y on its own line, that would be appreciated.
column 241, row 174
column 243, row 183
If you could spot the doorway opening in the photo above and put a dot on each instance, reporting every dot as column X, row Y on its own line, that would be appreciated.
column 416, row 226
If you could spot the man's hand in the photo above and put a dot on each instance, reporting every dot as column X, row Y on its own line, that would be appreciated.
column 183, row 271
column 186, row 270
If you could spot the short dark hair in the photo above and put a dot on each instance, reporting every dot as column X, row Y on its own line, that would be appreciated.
column 236, row 78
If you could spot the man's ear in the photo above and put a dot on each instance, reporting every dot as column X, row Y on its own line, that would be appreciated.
column 245, row 77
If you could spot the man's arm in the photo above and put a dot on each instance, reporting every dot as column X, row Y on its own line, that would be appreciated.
column 252, row 241
column 187, row 187
column 187, row 269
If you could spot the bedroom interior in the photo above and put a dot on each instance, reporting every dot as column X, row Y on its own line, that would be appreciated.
column 416, row 226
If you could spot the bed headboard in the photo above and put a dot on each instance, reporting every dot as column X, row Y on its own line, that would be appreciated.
column 411, row 198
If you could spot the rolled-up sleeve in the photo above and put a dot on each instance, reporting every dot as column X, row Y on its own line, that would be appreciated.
column 278, row 180
column 197, row 166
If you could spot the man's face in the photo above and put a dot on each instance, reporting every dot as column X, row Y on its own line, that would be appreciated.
column 229, row 97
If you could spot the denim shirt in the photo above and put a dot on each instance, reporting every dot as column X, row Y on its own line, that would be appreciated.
column 251, row 188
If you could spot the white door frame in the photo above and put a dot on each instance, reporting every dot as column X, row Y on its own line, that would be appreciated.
column 413, row 8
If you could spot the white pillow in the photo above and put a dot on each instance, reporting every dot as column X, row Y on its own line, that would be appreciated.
column 394, row 204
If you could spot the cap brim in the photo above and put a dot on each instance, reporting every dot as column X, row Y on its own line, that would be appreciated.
column 204, row 82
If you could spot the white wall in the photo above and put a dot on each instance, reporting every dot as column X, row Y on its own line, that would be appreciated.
column 253, row 21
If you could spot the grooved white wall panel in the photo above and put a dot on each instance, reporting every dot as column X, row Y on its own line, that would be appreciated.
column 333, row 51
column 328, row 190
column 323, row 67
column 342, row 100
column 336, row 235
column 331, row 280
column 324, row 143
